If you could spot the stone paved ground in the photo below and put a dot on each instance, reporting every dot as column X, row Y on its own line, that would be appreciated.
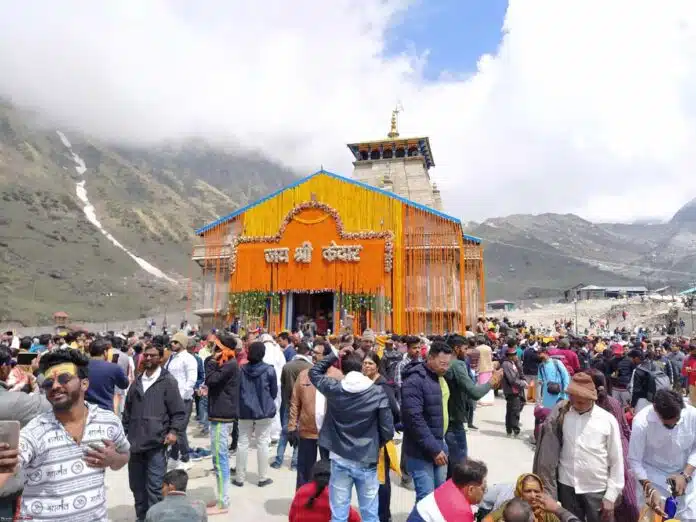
column 506, row 459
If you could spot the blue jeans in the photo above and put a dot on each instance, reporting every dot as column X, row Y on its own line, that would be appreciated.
column 203, row 413
column 456, row 442
column 283, row 441
column 219, row 446
column 344, row 474
column 426, row 476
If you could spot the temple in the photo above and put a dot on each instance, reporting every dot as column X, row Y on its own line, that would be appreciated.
column 373, row 251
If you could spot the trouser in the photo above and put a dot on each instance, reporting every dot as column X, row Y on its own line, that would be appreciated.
column 344, row 475
column 203, row 413
column 622, row 395
column 586, row 506
column 512, row 413
column 692, row 394
column 456, row 442
column 470, row 408
column 384, row 492
column 306, row 458
column 145, row 476
column 9, row 506
column 263, row 439
column 427, row 476
column 531, row 389
column 235, row 436
column 219, row 435
column 283, row 440
column 405, row 476
column 180, row 450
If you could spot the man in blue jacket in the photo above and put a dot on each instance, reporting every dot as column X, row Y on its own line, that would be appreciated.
column 357, row 424
column 424, row 410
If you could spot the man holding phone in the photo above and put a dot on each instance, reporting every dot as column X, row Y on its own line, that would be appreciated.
column 21, row 407
column 64, row 452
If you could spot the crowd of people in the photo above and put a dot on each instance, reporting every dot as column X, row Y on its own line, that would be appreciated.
column 614, row 433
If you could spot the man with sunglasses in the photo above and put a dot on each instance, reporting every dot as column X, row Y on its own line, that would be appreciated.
column 63, row 453
column 662, row 452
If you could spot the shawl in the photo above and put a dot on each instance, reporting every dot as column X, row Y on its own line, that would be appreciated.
column 539, row 516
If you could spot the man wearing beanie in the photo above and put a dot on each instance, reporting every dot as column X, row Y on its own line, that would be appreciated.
column 591, row 467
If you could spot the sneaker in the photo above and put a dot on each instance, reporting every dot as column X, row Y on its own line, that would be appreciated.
column 276, row 465
column 265, row 482
column 194, row 456
column 238, row 483
column 472, row 427
column 184, row 465
column 203, row 453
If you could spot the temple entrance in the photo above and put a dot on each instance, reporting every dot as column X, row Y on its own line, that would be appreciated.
column 313, row 312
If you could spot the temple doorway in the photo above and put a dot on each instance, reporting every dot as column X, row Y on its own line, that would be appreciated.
column 313, row 312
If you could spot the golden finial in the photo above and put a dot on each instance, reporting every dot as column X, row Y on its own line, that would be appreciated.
column 394, row 133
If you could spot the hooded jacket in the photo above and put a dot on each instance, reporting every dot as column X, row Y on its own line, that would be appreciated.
column 422, row 412
column 358, row 418
column 149, row 415
column 223, row 387
column 258, row 389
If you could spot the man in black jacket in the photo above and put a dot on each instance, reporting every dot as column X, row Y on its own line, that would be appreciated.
column 222, row 380
column 621, row 370
column 357, row 424
column 153, row 418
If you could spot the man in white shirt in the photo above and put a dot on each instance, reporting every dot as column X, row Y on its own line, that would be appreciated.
column 591, row 468
column 184, row 367
column 662, row 449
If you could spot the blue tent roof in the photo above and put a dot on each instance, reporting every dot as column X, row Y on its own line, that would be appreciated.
column 689, row 291
column 236, row 213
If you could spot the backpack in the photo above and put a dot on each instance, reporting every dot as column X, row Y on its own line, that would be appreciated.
column 657, row 380
column 562, row 358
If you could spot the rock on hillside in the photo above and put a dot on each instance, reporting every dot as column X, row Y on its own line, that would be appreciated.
column 149, row 199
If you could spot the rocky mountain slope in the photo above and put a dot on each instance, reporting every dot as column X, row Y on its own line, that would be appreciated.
column 532, row 256
column 150, row 200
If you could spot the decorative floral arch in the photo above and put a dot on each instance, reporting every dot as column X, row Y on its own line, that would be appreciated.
column 387, row 235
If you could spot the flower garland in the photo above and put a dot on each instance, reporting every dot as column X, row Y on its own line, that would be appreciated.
column 357, row 302
column 387, row 235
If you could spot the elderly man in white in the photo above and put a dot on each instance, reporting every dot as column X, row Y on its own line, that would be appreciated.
column 663, row 451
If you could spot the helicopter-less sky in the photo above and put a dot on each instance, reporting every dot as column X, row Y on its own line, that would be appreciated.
column 531, row 105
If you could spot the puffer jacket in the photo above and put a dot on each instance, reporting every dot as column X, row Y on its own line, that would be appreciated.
column 303, row 404
column 622, row 367
column 258, row 389
column 223, row 390
column 358, row 419
column 422, row 413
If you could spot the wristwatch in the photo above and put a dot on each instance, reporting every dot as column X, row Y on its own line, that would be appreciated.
column 687, row 477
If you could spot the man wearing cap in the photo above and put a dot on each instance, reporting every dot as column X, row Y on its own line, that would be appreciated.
column 183, row 366
column 590, row 467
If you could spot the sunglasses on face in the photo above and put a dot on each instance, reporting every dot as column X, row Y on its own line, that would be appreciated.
column 63, row 379
column 150, row 355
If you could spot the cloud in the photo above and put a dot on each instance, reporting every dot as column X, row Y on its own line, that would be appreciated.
column 585, row 107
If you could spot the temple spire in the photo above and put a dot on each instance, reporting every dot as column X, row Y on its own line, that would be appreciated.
column 394, row 133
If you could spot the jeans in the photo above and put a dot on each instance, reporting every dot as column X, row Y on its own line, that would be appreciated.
column 263, row 439
column 512, row 413
column 219, row 433
column 283, row 441
column 145, row 476
column 203, row 413
column 426, row 476
column 456, row 442
column 306, row 458
column 181, row 449
column 345, row 474
column 384, row 493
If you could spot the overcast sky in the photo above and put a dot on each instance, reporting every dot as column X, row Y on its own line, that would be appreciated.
column 585, row 107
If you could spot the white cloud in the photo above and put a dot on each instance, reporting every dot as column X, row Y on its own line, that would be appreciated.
column 586, row 107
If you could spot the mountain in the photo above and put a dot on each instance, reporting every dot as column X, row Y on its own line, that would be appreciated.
column 540, row 256
column 149, row 200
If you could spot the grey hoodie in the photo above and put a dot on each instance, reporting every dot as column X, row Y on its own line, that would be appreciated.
column 21, row 407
